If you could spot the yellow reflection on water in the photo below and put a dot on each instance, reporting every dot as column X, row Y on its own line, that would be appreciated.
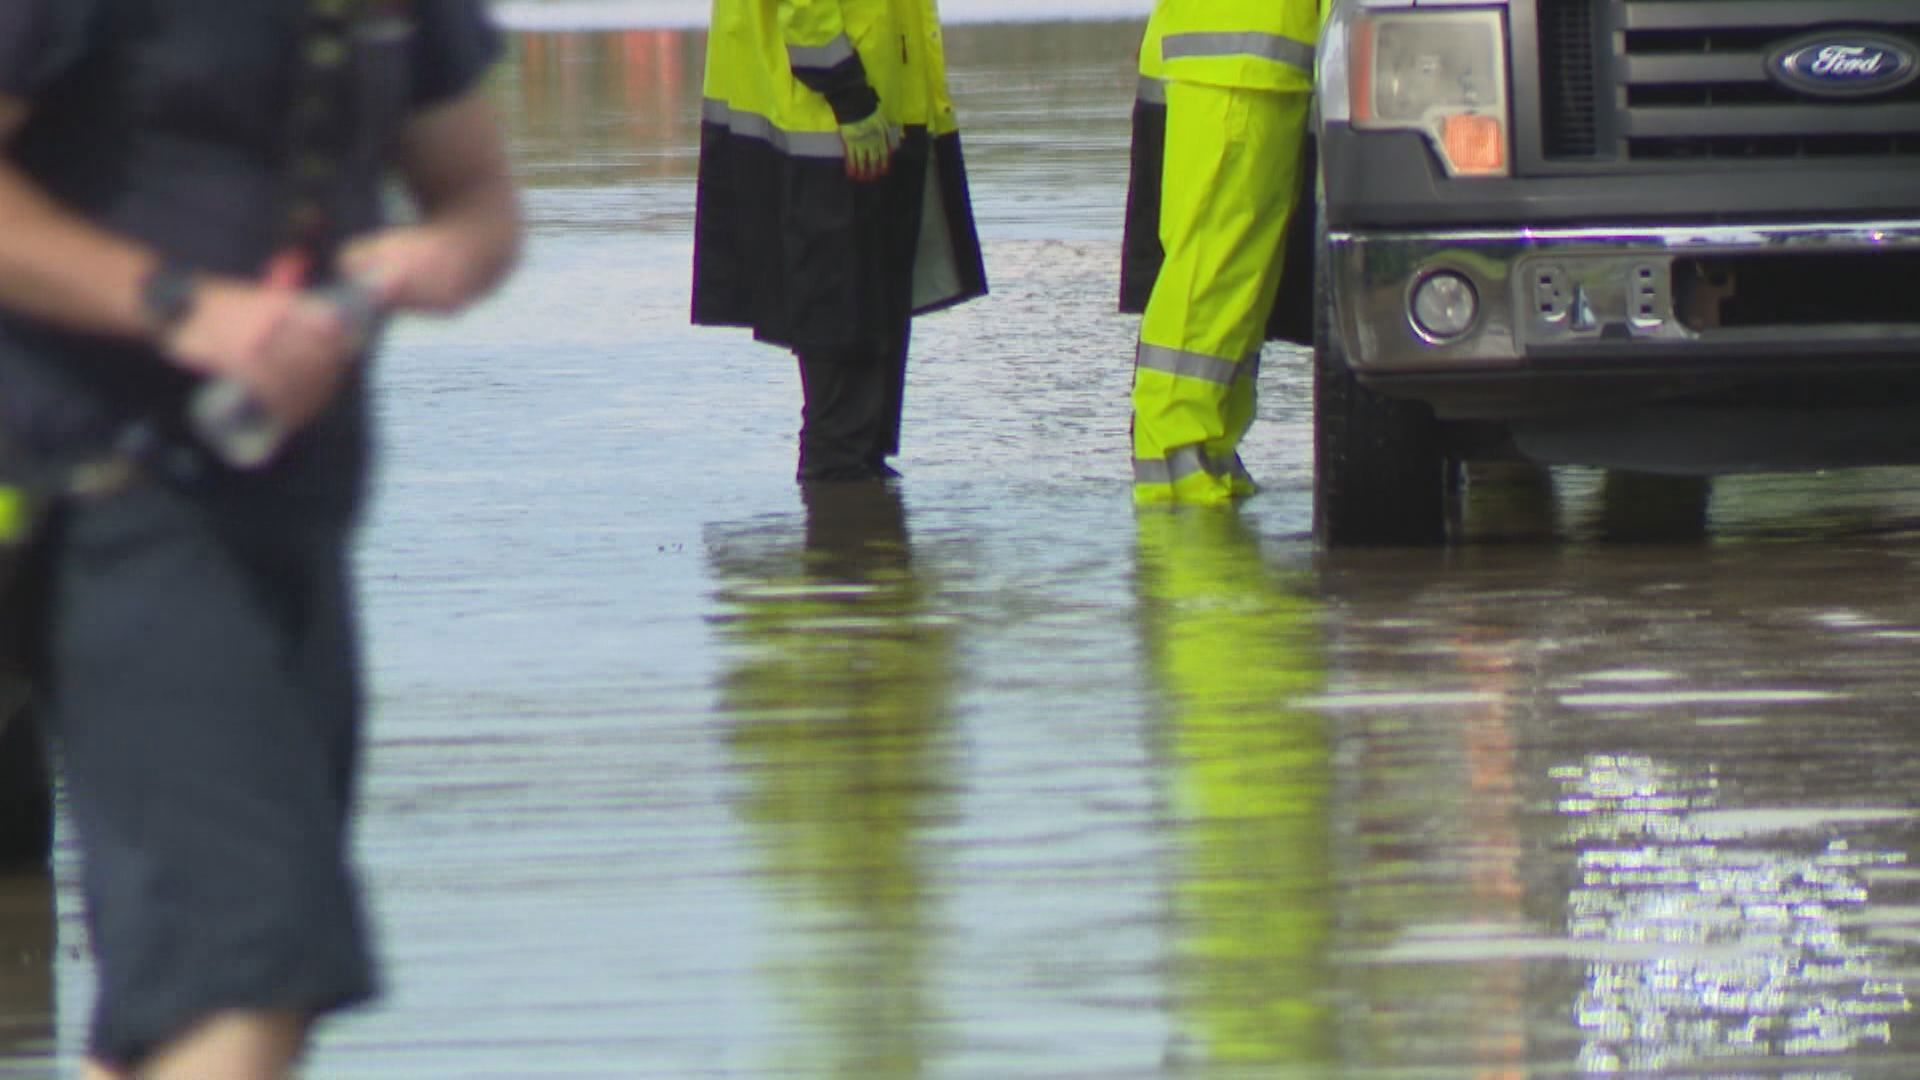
column 838, row 696
column 1230, row 646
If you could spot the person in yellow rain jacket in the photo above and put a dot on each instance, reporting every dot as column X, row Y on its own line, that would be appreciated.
column 832, row 205
column 1220, row 191
column 1231, row 648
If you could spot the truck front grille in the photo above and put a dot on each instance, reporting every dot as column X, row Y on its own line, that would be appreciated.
column 1569, row 77
column 1689, row 81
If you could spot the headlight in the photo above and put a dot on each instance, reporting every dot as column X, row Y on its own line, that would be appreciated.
column 1443, row 73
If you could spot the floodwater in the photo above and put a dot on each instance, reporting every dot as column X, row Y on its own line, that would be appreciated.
column 675, row 774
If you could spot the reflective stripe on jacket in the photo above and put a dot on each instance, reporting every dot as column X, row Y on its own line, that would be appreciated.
column 755, row 48
column 1249, row 44
column 784, row 241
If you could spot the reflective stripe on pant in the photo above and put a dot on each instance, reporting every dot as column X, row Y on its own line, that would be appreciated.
column 1228, row 189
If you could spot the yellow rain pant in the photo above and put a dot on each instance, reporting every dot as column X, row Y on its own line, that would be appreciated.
column 1227, row 190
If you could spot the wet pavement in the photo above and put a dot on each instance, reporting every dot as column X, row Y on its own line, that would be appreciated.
column 677, row 774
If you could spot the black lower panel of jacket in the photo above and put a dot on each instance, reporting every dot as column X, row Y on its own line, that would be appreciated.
column 794, row 249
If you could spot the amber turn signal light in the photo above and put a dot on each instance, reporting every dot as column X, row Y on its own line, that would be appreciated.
column 1473, row 143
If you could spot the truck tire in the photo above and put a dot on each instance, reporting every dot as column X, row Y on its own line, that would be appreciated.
column 1379, row 473
column 26, row 796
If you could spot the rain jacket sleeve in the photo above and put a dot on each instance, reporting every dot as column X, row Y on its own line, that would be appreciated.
column 823, row 58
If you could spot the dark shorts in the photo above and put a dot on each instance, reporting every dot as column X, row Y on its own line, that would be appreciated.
column 201, row 676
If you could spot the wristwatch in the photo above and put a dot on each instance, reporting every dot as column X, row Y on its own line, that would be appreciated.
column 167, row 295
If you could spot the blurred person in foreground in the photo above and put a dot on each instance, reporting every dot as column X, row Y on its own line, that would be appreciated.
column 1221, row 164
column 196, row 635
column 832, row 206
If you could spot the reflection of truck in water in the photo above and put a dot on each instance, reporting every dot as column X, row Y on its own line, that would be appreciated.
column 1577, row 837
column 1668, row 236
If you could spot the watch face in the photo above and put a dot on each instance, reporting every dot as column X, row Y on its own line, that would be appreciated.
column 168, row 294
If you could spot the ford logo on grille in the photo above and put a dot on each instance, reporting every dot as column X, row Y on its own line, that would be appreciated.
column 1844, row 65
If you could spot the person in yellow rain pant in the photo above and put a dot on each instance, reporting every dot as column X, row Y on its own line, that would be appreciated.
column 1230, row 650
column 832, row 206
column 1237, row 77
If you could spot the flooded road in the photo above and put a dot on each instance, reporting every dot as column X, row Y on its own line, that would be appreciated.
column 676, row 774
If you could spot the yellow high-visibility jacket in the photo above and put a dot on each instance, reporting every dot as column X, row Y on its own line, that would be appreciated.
column 1251, row 44
column 762, row 53
column 784, row 241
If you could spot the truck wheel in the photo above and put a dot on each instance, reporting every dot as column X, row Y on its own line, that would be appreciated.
column 1379, row 474
column 26, row 797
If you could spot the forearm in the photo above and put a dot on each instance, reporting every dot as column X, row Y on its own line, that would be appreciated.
column 468, row 233
column 57, row 268
column 481, row 228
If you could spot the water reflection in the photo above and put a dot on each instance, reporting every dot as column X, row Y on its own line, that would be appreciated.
column 1231, row 645
column 26, row 974
column 837, row 696
column 592, row 109
column 1508, row 501
column 1490, row 735
column 1433, row 707
column 1716, row 938
column 1627, row 815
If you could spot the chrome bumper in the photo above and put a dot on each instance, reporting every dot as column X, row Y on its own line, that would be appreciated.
column 1602, row 294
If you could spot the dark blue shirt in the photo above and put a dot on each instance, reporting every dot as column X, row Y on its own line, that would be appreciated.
column 167, row 121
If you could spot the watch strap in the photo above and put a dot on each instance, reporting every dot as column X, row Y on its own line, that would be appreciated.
column 167, row 295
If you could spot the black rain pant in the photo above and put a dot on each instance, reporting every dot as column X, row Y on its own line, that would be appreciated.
column 850, row 419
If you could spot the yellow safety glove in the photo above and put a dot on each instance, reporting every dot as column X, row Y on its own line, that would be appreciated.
column 870, row 144
column 15, row 516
